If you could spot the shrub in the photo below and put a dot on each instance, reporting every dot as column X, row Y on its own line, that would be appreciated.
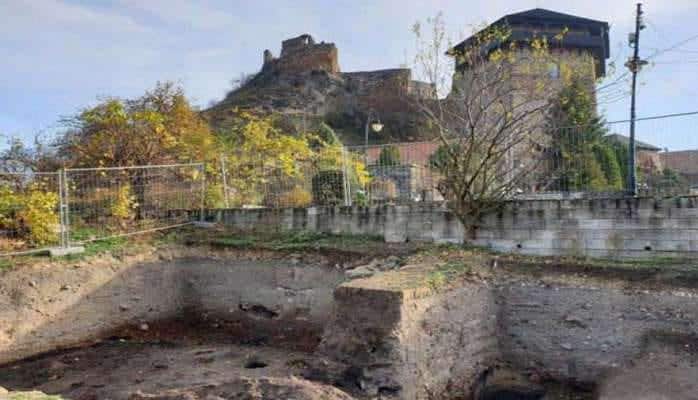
column 215, row 198
column 389, row 155
column 124, row 203
column 328, row 187
column 360, row 198
column 296, row 197
column 40, row 216
column 10, row 203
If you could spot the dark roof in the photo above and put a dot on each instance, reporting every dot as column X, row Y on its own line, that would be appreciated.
column 599, row 45
column 548, row 15
column 624, row 140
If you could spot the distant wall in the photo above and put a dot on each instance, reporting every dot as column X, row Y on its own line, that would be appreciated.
column 384, row 90
column 600, row 227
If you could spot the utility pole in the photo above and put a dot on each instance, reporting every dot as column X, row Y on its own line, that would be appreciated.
column 634, row 64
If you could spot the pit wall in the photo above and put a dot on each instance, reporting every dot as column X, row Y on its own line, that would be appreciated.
column 61, row 306
column 411, row 343
column 418, row 344
column 641, row 227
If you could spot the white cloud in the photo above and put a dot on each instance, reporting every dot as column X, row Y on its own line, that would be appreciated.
column 66, row 53
column 37, row 15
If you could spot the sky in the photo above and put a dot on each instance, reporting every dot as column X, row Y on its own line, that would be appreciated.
column 58, row 56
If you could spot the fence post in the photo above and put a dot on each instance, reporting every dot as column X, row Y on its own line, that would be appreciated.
column 66, row 204
column 61, row 209
column 346, row 184
column 203, row 192
column 224, row 175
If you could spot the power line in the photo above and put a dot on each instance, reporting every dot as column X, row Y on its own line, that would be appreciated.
column 675, row 62
column 678, row 50
column 673, row 47
column 664, row 116
column 622, row 77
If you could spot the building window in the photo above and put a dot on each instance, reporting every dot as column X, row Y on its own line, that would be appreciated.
column 554, row 71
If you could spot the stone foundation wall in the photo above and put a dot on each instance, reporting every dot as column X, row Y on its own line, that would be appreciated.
column 411, row 343
column 405, row 339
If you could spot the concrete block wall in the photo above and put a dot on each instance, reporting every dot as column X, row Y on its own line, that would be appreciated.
column 599, row 228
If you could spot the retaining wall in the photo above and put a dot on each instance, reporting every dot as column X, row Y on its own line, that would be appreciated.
column 635, row 227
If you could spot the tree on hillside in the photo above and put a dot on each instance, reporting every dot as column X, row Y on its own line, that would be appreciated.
column 157, row 128
column 265, row 165
column 583, row 159
column 160, row 127
column 21, row 158
column 490, row 123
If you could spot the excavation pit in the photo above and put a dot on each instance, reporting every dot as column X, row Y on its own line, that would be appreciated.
column 197, row 322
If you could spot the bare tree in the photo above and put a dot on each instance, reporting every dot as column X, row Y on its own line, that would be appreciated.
column 489, row 116
column 18, row 158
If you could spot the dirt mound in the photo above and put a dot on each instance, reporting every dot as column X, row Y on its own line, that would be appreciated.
column 7, row 395
column 252, row 389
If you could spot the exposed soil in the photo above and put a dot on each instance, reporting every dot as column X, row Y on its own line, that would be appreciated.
column 234, row 321
column 196, row 361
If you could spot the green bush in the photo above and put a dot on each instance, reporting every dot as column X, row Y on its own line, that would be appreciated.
column 389, row 156
column 328, row 188
column 10, row 204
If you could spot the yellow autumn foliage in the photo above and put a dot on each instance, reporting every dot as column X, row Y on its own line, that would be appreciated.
column 296, row 197
column 124, row 203
column 40, row 216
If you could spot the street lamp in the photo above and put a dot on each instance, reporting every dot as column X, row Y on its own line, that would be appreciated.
column 373, row 121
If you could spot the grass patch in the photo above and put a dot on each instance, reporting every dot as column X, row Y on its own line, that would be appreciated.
column 94, row 247
column 235, row 242
column 5, row 264
column 105, row 246
column 290, row 241
column 447, row 273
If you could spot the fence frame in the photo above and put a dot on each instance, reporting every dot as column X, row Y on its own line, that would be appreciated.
column 62, row 176
column 58, row 178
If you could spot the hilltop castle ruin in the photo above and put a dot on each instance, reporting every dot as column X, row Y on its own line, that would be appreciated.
column 379, row 89
column 305, row 80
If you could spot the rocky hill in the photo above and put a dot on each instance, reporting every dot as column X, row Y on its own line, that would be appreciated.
column 305, row 86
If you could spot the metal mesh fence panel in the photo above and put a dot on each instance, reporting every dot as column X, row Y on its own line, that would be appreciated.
column 30, row 212
column 251, row 181
column 549, row 162
column 108, row 202
column 400, row 172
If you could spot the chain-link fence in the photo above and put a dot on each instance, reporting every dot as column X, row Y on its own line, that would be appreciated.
column 553, row 162
column 74, row 206
column 30, row 211
column 331, row 177
column 401, row 172
column 108, row 202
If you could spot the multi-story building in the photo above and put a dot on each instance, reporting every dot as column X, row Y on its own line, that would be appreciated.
column 503, row 76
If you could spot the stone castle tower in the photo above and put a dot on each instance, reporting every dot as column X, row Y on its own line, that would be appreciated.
column 302, row 54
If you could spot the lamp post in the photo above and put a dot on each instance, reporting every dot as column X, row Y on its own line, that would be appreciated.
column 373, row 121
